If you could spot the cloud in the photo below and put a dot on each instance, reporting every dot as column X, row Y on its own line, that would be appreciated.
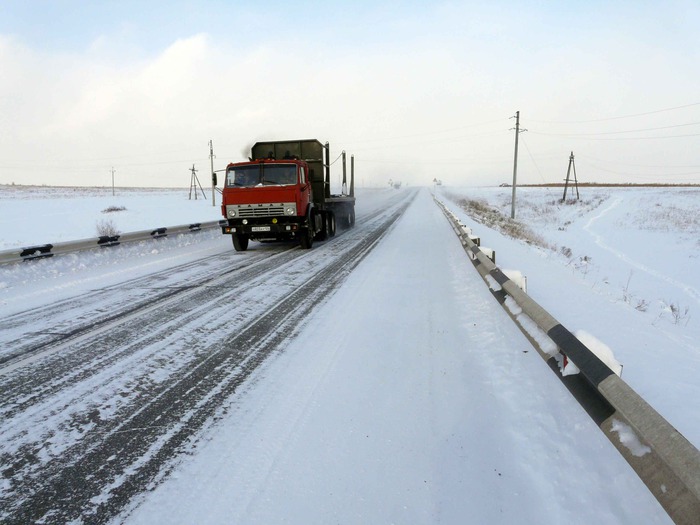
column 85, row 113
column 421, row 94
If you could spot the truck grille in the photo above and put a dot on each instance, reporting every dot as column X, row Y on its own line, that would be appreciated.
column 267, row 211
column 259, row 210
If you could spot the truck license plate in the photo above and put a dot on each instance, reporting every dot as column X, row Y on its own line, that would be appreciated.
column 260, row 228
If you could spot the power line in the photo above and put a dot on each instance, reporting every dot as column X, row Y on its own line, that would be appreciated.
column 533, row 159
column 85, row 167
column 669, row 166
column 437, row 132
column 638, row 175
column 427, row 142
column 616, row 118
column 593, row 137
column 618, row 132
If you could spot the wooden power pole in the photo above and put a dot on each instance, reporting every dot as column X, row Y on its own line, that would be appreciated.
column 213, row 175
column 515, row 162
column 194, row 182
column 568, row 172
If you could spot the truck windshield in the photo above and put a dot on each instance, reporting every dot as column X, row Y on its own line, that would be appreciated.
column 262, row 175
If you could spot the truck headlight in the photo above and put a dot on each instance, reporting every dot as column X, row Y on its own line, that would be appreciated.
column 289, row 210
column 232, row 213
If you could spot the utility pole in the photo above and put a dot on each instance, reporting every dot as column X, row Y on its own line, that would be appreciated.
column 113, row 170
column 566, row 184
column 194, row 182
column 213, row 175
column 515, row 162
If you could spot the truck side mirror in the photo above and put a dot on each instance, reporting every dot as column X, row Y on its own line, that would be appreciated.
column 213, row 179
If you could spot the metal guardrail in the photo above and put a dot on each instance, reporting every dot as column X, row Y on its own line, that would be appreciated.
column 667, row 463
column 49, row 250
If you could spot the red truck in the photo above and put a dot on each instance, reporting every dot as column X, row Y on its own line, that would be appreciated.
column 283, row 192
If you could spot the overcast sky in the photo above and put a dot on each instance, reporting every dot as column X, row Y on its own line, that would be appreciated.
column 415, row 90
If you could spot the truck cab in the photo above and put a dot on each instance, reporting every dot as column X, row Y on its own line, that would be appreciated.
column 283, row 193
column 266, row 199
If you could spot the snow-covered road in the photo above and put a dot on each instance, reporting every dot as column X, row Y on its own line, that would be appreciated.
column 406, row 396
column 410, row 398
column 101, row 391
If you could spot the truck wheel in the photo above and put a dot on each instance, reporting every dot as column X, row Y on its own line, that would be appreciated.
column 307, row 239
column 348, row 218
column 330, row 225
column 240, row 242
column 323, row 233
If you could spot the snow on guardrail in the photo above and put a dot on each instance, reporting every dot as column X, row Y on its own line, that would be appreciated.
column 49, row 250
column 667, row 463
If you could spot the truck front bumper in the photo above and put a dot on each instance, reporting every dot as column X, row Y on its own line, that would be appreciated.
column 263, row 228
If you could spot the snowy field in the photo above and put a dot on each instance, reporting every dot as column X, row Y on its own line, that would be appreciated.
column 620, row 264
column 40, row 215
column 411, row 398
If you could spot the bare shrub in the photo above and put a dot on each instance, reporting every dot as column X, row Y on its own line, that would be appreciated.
column 642, row 305
column 113, row 209
column 566, row 251
column 627, row 295
column 678, row 313
column 107, row 228
column 582, row 264
column 481, row 212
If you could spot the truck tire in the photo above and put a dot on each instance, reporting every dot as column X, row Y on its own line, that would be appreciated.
column 348, row 218
column 323, row 233
column 307, row 239
column 330, row 224
column 240, row 242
